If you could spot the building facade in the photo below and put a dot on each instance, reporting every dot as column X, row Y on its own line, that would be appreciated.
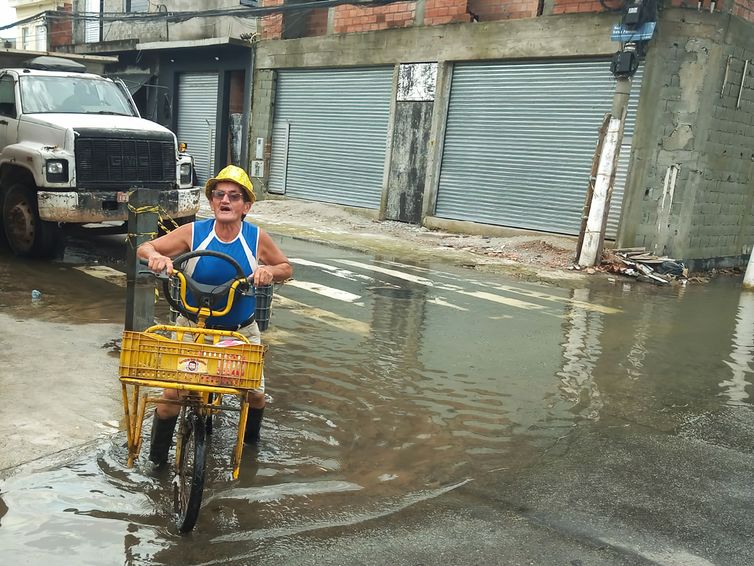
column 485, row 114
column 476, row 115
column 186, row 63
column 37, row 32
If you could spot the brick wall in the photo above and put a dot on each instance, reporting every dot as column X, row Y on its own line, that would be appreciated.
column 349, row 18
column 487, row 10
column 437, row 12
column 272, row 26
column 577, row 6
column 61, row 29
column 743, row 9
column 317, row 24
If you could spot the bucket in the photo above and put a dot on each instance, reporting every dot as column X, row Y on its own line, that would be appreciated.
column 264, row 304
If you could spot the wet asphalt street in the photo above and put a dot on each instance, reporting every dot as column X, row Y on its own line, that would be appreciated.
column 419, row 414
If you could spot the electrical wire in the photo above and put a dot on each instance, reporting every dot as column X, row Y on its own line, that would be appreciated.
column 246, row 12
column 60, row 17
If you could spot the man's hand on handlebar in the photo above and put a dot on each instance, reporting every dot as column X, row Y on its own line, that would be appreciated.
column 160, row 264
column 157, row 262
column 262, row 276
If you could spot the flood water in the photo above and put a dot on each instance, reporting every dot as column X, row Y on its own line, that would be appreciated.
column 390, row 392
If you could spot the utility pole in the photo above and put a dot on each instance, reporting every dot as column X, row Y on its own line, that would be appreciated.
column 636, row 28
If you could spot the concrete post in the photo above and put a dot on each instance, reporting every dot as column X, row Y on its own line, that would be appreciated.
column 142, row 227
column 620, row 98
column 594, row 233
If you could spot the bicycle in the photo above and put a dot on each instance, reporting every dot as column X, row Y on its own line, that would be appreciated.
column 204, row 364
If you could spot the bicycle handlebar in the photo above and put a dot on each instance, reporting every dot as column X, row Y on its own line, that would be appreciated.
column 206, row 295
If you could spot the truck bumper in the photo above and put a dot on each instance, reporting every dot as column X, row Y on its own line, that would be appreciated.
column 88, row 207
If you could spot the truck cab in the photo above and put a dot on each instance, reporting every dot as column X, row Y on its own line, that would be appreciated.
column 72, row 149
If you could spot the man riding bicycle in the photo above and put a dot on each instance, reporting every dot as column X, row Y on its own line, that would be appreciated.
column 231, row 196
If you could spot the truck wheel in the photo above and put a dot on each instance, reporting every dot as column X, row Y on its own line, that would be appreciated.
column 27, row 234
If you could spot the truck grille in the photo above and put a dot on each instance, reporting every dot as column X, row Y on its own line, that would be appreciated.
column 108, row 163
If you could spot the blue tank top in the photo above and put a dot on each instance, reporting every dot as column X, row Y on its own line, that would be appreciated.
column 215, row 271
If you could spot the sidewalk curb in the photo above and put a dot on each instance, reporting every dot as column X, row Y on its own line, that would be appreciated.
column 366, row 233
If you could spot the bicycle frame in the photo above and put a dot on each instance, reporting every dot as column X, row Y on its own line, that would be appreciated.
column 190, row 393
column 135, row 409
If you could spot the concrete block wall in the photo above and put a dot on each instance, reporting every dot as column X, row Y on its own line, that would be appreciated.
column 691, row 185
column 261, row 121
column 743, row 9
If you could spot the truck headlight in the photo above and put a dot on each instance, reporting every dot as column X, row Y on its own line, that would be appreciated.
column 185, row 173
column 56, row 170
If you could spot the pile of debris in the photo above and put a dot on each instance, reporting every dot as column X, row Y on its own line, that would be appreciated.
column 644, row 266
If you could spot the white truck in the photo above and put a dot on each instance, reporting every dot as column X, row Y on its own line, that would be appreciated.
column 72, row 148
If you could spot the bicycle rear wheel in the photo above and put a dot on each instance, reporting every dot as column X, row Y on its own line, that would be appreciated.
column 188, row 486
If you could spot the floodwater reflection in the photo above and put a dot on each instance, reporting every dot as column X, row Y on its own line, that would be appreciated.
column 455, row 378
column 742, row 354
column 581, row 350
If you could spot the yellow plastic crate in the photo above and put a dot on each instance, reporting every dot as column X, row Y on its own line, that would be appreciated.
column 151, row 356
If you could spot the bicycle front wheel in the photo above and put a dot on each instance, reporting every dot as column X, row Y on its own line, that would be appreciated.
column 188, row 485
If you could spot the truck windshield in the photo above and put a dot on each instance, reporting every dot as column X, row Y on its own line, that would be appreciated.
column 76, row 95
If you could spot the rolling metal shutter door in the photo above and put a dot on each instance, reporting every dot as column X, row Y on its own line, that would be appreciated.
column 330, row 134
column 197, row 117
column 519, row 143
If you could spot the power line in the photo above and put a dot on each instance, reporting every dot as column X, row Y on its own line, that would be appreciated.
column 244, row 12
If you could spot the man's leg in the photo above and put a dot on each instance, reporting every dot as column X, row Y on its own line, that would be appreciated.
column 254, row 420
column 163, row 426
column 166, row 415
column 256, row 397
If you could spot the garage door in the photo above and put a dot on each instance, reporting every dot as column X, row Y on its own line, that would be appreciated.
column 197, row 117
column 330, row 134
column 519, row 143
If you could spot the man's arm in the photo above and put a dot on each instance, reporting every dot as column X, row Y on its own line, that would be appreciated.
column 158, row 253
column 274, row 265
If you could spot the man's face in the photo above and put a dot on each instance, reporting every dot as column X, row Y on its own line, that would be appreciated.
column 228, row 203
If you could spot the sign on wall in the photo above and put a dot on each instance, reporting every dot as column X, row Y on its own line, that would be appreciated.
column 417, row 82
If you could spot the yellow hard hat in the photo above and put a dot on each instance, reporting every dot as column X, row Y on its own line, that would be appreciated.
column 234, row 174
